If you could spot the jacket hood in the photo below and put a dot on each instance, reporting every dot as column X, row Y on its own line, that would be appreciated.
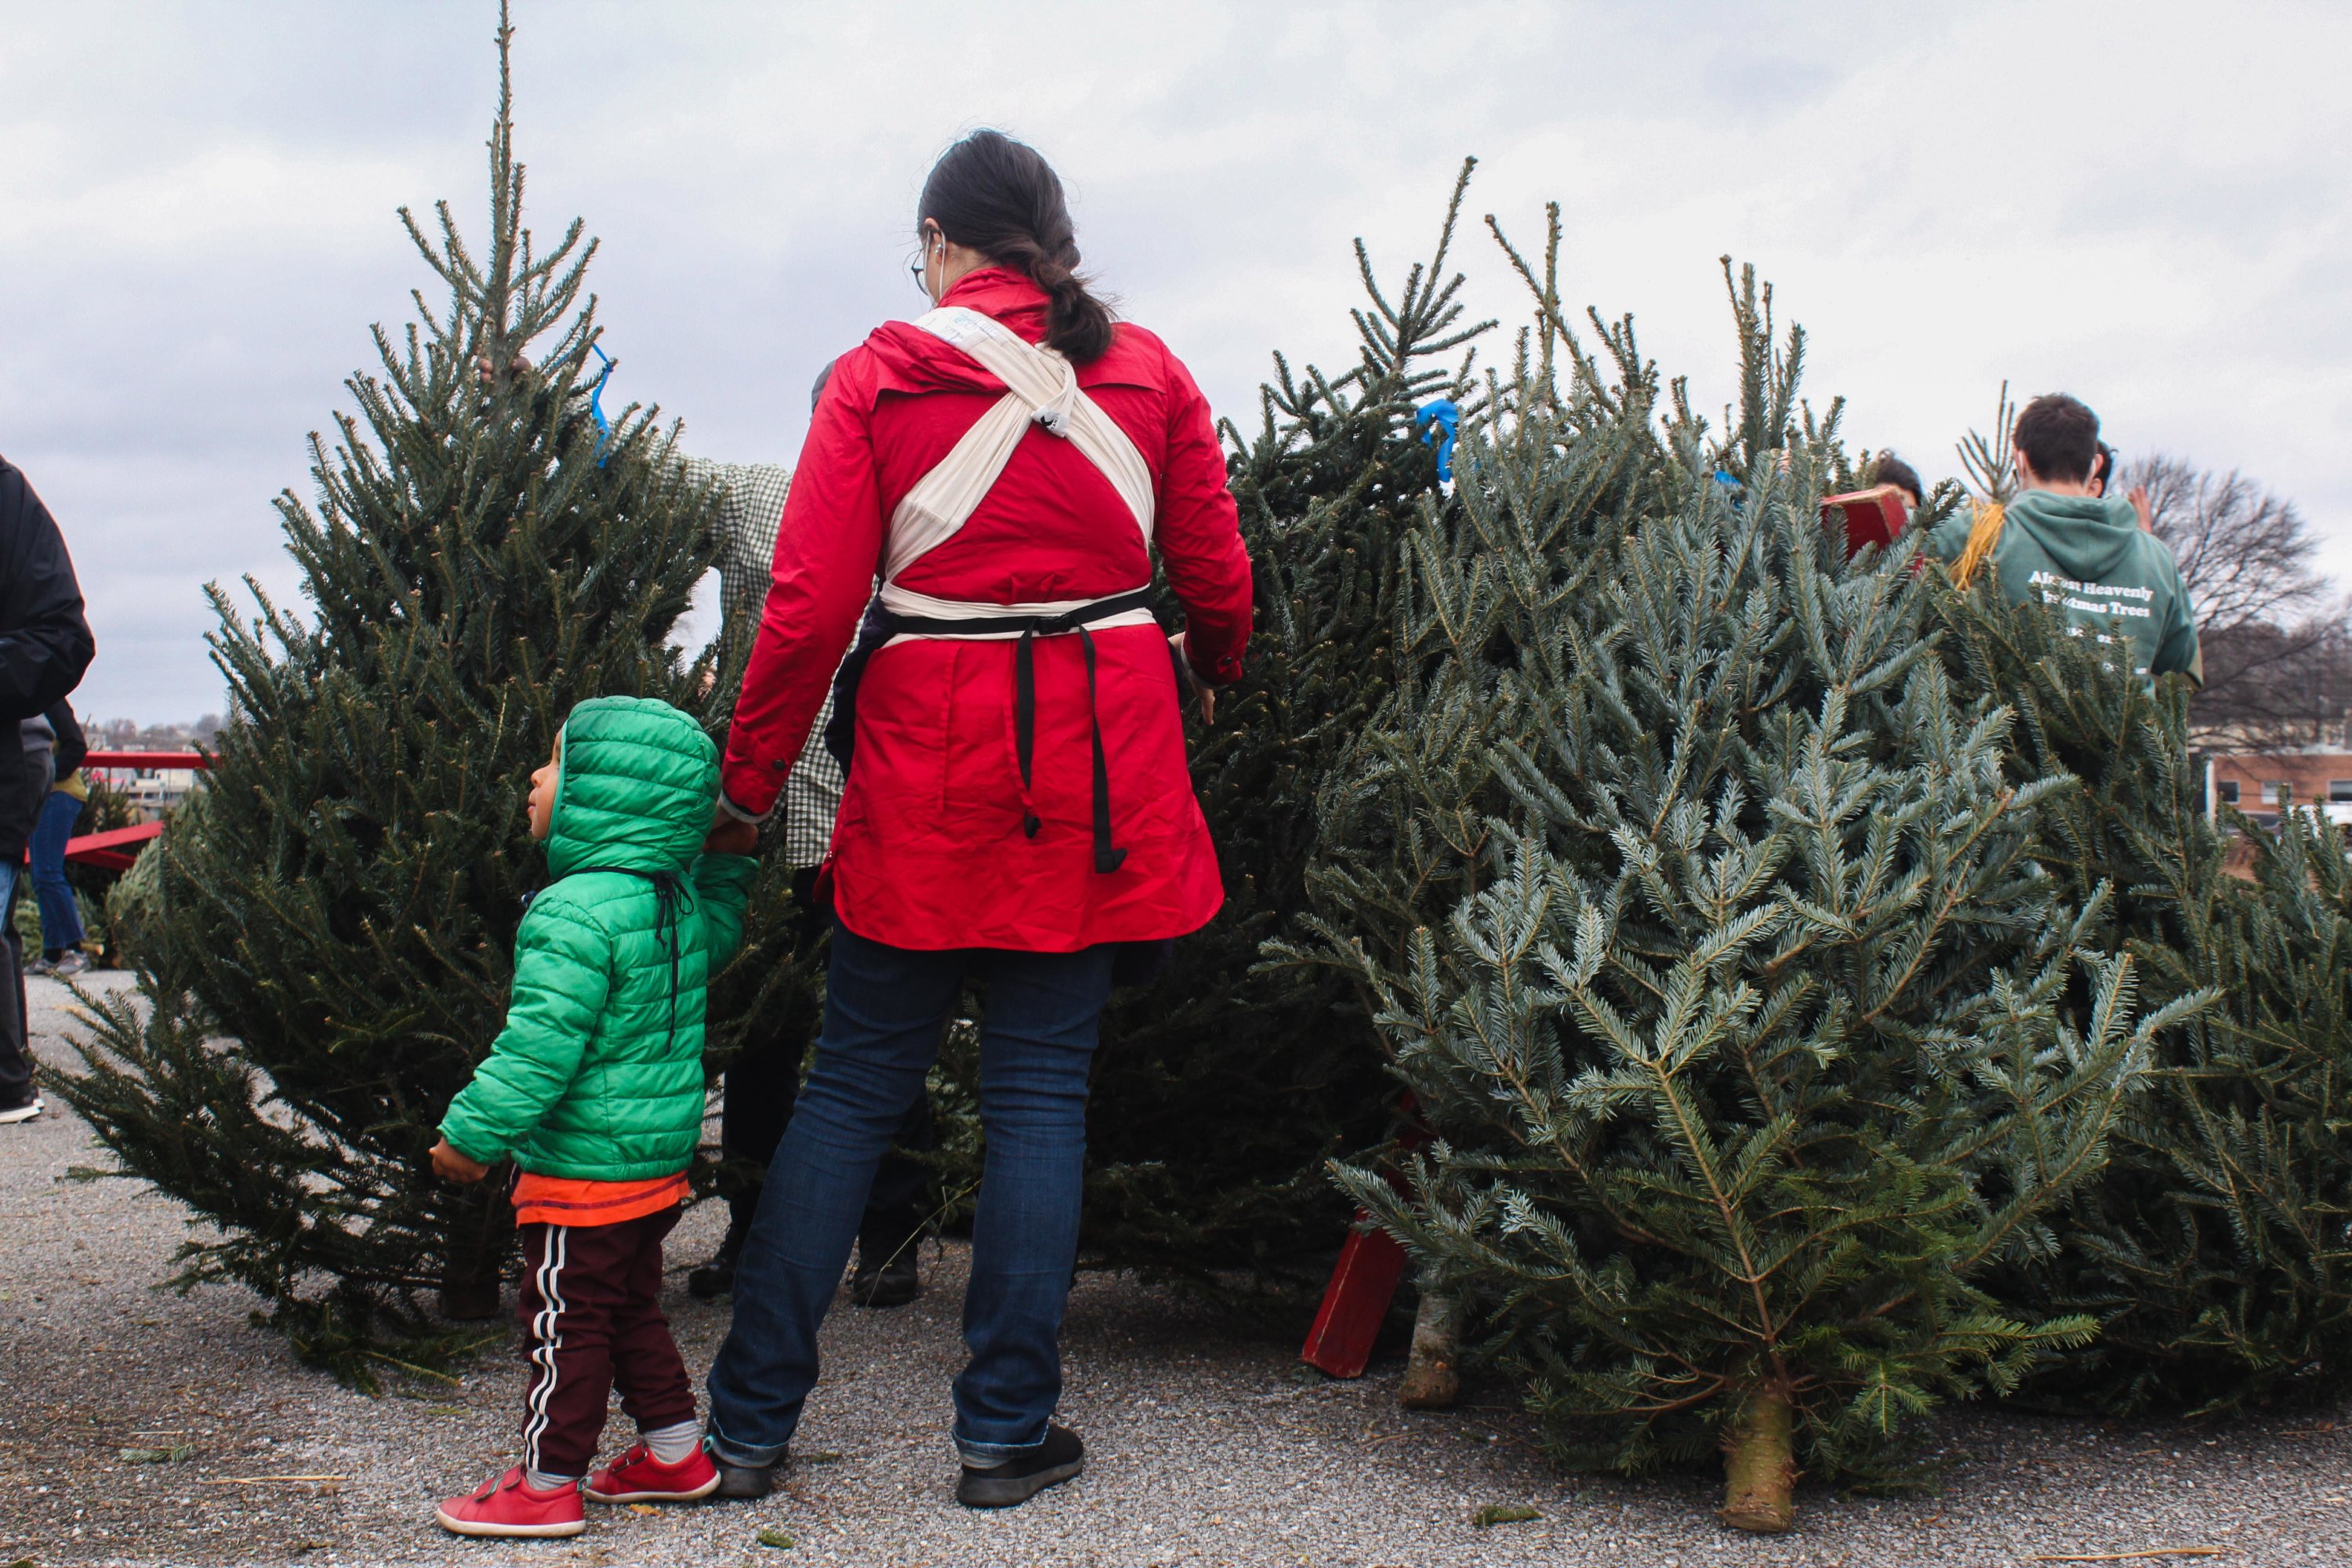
column 907, row 359
column 911, row 360
column 2088, row 536
column 635, row 788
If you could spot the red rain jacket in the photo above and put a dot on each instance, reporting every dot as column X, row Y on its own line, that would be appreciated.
column 928, row 852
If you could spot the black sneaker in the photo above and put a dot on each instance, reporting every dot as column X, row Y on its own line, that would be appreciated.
column 893, row 1282
column 24, row 1110
column 744, row 1482
column 1060, row 1457
column 713, row 1279
column 717, row 1277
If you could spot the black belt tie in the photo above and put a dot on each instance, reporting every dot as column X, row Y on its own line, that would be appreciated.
column 1107, row 858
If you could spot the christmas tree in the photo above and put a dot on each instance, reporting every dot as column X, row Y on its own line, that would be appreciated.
column 1224, row 1086
column 324, row 937
column 2210, row 1251
column 1407, row 809
column 1754, row 1036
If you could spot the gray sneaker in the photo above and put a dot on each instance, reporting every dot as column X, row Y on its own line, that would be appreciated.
column 41, row 963
column 75, row 961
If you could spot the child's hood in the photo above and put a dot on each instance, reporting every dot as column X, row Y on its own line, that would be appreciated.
column 634, row 789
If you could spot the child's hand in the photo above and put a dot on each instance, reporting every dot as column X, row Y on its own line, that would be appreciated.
column 730, row 835
column 451, row 1166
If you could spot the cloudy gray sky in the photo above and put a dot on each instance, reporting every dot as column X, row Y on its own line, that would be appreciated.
column 2148, row 204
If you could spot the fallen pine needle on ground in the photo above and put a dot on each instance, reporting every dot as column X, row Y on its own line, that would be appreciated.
column 2128, row 1556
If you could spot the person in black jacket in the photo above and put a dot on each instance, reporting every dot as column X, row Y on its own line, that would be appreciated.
column 45, row 646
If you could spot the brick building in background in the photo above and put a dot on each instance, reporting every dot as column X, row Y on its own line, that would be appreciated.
column 2260, row 783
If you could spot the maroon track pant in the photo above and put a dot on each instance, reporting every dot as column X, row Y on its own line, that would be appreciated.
column 592, row 1305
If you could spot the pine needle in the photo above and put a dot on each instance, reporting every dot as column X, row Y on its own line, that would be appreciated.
column 2128, row 1556
column 412, row 1368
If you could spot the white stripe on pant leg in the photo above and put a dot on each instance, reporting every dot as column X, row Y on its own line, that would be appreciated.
column 545, row 1328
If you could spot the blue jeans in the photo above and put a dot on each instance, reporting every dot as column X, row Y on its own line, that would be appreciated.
column 60, row 916
column 885, row 1009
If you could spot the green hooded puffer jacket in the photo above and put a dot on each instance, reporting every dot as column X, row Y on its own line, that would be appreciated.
column 597, row 1074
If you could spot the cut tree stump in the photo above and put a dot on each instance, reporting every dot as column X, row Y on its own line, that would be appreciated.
column 1431, row 1381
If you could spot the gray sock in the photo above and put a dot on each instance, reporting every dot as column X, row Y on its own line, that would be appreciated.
column 671, row 1444
column 540, row 1481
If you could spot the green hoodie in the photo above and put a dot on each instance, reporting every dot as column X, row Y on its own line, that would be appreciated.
column 2092, row 560
column 597, row 1074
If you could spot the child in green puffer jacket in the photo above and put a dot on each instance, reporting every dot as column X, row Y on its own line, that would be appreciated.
column 594, row 1090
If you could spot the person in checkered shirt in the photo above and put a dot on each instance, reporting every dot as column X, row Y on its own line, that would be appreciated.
column 757, row 1091
column 750, row 504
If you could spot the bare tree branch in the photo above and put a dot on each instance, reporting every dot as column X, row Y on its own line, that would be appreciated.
column 2278, row 660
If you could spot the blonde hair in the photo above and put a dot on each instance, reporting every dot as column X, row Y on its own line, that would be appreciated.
column 1983, row 534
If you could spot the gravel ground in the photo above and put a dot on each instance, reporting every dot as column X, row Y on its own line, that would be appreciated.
column 1203, row 1447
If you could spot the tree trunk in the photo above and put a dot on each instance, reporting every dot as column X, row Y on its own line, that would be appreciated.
column 1431, row 1381
column 1760, row 1466
column 478, row 1234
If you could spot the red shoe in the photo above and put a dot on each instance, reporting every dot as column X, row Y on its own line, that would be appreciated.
column 637, row 1476
column 510, row 1505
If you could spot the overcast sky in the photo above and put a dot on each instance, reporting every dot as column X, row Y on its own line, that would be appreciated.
column 2147, row 205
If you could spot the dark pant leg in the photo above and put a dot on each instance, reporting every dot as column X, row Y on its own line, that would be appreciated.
column 573, row 1286
column 1037, row 1040
column 647, row 1368
column 757, row 1091
column 16, row 1037
column 901, row 1200
column 884, row 1008
column 755, row 1105
column 24, row 785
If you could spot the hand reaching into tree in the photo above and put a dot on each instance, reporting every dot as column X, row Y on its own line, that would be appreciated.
column 1193, row 682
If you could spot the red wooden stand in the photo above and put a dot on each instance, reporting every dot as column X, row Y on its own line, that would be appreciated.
column 1363, row 1282
column 1875, row 516
column 1356, row 1302
column 114, row 849
column 117, row 848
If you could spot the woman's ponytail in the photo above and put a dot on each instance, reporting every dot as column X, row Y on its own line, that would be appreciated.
column 999, row 198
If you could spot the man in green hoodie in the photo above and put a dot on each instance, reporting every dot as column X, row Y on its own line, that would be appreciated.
column 2060, row 542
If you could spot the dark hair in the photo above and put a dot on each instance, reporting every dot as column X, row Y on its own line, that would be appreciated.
column 998, row 196
column 1892, row 470
column 2103, row 468
column 2059, row 435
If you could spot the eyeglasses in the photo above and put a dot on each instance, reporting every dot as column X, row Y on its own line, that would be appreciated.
column 925, row 238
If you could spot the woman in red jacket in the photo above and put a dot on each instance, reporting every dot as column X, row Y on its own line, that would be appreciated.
column 1017, row 801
